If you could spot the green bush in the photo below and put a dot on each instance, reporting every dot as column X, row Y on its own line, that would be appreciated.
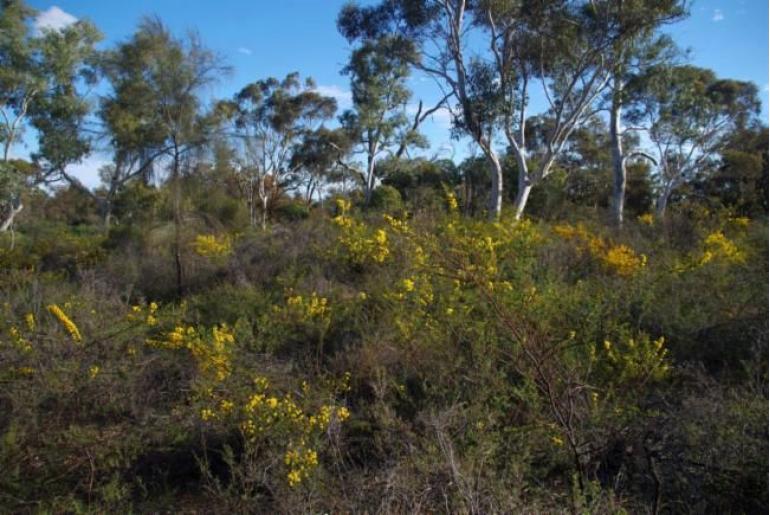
column 387, row 198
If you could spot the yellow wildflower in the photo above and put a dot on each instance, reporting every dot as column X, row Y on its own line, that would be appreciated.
column 29, row 318
column 294, row 478
column 718, row 245
column 623, row 260
column 212, row 246
column 646, row 219
column 65, row 321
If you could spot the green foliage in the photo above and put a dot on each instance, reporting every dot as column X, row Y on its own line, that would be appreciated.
column 518, row 353
column 292, row 211
column 387, row 198
column 383, row 350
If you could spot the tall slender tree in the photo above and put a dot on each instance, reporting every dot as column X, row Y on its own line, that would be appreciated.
column 689, row 114
column 637, row 45
column 155, row 112
column 378, row 124
column 554, row 46
column 439, row 30
column 44, row 83
column 272, row 117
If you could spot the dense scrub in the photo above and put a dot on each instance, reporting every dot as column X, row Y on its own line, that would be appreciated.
column 376, row 361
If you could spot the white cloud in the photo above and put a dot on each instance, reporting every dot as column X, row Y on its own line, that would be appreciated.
column 343, row 97
column 718, row 15
column 53, row 19
column 243, row 50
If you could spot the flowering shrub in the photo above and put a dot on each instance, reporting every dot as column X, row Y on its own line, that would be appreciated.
column 304, row 309
column 646, row 219
column 484, row 358
column 66, row 322
column 363, row 245
column 619, row 259
column 212, row 350
column 267, row 418
column 637, row 359
column 718, row 247
column 211, row 246
column 623, row 260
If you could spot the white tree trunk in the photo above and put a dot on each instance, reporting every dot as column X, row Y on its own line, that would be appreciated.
column 8, row 222
column 369, row 186
column 264, row 213
column 496, row 194
column 619, row 173
column 662, row 202
column 521, row 198
column 524, row 184
column 263, row 199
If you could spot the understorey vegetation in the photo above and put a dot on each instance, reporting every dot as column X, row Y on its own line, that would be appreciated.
column 263, row 309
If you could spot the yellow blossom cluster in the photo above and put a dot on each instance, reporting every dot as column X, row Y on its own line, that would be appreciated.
column 451, row 201
column 304, row 309
column 718, row 246
column 263, row 412
column 398, row 225
column 212, row 351
column 638, row 359
column 211, row 246
column 619, row 259
column 301, row 462
column 623, row 260
column 417, row 288
column 362, row 245
column 646, row 219
column 266, row 415
column 740, row 222
column 66, row 322
column 146, row 315
column 29, row 319
column 583, row 239
column 18, row 340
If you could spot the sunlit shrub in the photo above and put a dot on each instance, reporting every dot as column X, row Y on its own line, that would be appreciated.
column 209, row 245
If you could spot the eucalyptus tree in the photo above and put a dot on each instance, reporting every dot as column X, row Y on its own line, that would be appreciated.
column 378, row 125
column 155, row 112
column 741, row 179
column 489, row 56
column 44, row 83
column 637, row 45
column 19, row 83
column 553, row 49
column 272, row 118
column 689, row 114
column 439, row 32
column 318, row 158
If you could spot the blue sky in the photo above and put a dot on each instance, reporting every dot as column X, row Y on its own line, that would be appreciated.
column 260, row 39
